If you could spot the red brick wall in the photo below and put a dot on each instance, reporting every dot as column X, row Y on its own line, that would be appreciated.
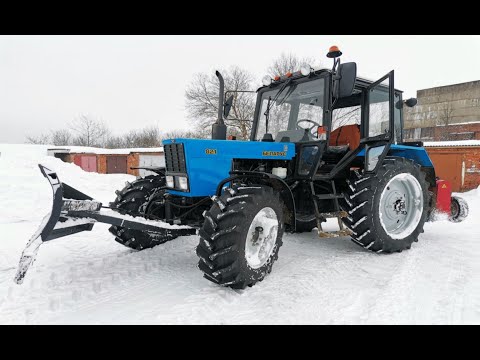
column 132, row 160
column 101, row 164
column 472, row 168
column 470, row 157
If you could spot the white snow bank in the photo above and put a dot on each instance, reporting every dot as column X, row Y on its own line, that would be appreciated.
column 461, row 123
column 452, row 143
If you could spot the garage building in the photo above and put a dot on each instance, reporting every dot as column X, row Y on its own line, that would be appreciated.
column 457, row 162
column 111, row 161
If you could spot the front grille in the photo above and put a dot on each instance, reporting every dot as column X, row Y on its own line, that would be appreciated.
column 175, row 158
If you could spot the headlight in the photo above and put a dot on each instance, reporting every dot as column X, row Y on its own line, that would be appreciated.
column 183, row 183
column 170, row 182
column 305, row 69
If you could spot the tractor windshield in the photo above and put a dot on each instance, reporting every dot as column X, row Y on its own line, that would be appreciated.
column 299, row 101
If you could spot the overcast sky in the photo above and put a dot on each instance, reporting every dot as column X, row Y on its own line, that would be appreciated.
column 134, row 81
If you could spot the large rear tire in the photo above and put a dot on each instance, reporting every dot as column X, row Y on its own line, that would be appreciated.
column 132, row 200
column 387, row 210
column 241, row 236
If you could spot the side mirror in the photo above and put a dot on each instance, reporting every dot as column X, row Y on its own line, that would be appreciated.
column 411, row 102
column 227, row 106
column 345, row 80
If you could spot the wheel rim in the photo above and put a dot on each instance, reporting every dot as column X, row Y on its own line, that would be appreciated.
column 261, row 238
column 401, row 206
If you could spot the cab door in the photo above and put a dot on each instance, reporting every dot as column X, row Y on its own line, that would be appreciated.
column 378, row 125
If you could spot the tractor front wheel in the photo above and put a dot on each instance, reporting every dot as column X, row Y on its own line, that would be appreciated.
column 133, row 200
column 241, row 236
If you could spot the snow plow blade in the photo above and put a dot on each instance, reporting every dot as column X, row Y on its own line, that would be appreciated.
column 74, row 212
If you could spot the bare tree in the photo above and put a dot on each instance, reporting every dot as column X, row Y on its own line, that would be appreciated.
column 289, row 62
column 202, row 102
column 90, row 132
column 152, row 136
column 186, row 134
column 116, row 142
column 61, row 137
column 445, row 113
column 129, row 139
column 145, row 138
column 148, row 137
column 42, row 139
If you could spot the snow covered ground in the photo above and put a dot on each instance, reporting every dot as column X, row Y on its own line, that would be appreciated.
column 88, row 278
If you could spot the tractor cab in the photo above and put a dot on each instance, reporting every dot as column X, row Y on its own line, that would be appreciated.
column 330, row 115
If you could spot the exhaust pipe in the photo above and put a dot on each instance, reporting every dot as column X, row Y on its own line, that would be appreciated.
column 219, row 129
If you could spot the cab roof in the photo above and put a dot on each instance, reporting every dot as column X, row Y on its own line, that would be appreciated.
column 361, row 82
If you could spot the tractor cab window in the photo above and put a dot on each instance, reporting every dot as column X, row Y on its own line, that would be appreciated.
column 346, row 121
column 298, row 101
column 311, row 111
column 351, row 115
column 277, row 121
column 397, row 119
column 379, row 110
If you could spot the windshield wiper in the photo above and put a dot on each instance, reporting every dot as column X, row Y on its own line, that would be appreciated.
column 272, row 102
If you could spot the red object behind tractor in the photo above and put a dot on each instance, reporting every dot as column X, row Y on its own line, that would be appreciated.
column 455, row 207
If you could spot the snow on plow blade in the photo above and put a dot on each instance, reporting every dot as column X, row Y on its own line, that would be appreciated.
column 74, row 212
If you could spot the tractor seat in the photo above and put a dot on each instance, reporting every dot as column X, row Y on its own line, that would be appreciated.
column 342, row 140
column 348, row 135
column 339, row 150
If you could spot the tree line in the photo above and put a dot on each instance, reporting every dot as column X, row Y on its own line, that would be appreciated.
column 201, row 103
column 87, row 131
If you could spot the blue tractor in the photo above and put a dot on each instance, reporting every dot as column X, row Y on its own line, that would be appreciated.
column 324, row 144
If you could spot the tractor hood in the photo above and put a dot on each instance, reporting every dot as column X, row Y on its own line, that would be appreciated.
column 206, row 162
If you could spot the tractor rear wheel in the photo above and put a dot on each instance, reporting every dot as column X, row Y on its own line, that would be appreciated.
column 132, row 200
column 241, row 236
column 387, row 210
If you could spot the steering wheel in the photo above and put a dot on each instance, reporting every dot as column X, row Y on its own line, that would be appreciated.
column 309, row 121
